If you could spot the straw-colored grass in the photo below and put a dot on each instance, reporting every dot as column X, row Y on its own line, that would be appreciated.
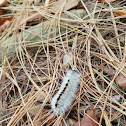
column 31, row 61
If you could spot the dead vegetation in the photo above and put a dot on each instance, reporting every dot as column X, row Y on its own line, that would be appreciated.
column 34, row 38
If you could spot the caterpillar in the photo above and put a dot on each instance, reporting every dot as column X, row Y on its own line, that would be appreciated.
column 64, row 97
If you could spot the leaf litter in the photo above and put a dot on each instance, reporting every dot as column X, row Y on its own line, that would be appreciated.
column 41, row 40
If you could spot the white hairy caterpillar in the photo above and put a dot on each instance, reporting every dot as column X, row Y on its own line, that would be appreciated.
column 64, row 97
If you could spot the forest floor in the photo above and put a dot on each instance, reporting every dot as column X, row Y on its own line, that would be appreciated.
column 40, row 40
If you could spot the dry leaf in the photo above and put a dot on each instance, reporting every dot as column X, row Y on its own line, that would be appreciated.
column 4, row 20
column 64, row 5
column 102, row 1
column 32, row 16
column 109, row 71
column 124, row 104
column 2, row 2
column 89, row 119
column 4, row 23
column 121, row 81
column 116, row 97
column 67, row 58
column 120, row 13
column 1, row 11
